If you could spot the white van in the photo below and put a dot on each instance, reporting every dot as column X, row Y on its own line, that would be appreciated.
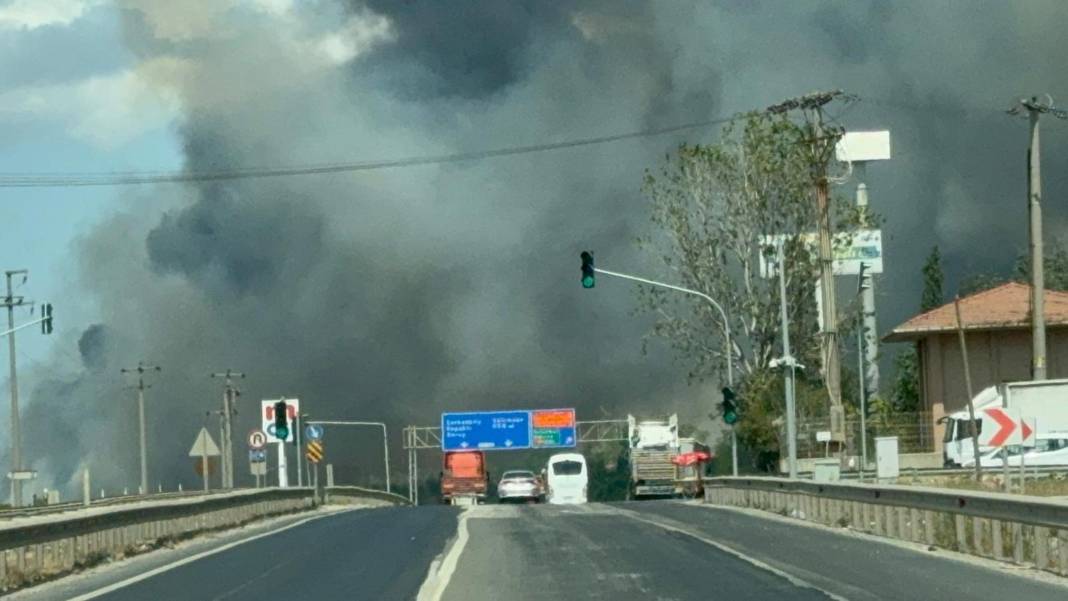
column 567, row 478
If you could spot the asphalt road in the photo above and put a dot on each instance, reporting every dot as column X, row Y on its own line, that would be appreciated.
column 382, row 553
column 620, row 552
column 675, row 551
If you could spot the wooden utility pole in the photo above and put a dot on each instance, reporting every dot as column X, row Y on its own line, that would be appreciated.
column 968, row 388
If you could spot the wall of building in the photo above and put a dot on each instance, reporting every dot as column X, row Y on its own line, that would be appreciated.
column 995, row 356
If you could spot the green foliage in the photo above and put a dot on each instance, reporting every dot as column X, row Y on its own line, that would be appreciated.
column 905, row 396
column 714, row 208
column 933, row 280
column 1055, row 272
column 609, row 471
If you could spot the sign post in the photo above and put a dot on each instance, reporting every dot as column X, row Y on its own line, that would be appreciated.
column 1007, row 432
column 204, row 447
column 1028, row 427
column 267, row 426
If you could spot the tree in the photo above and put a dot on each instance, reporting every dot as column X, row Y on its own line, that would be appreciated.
column 715, row 208
column 1055, row 272
column 905, row 394
column 933, row 279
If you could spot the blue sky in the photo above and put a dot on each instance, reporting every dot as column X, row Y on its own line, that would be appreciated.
column 64, row 77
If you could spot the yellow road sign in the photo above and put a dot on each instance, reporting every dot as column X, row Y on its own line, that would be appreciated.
column 314, row 451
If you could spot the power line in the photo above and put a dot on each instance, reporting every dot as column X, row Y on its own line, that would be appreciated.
column 70, row 180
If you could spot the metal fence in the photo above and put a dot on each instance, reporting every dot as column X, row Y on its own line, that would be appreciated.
column 914, row 431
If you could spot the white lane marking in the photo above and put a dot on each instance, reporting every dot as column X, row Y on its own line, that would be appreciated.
column 750, row 560
column 181, row 562
column 441, row 571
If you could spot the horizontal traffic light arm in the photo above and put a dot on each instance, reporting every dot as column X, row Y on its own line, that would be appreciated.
column 712, row 301
column 25, row 325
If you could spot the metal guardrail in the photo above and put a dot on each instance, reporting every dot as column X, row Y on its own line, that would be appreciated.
column 31, row 510
column 368, row 493
column 1033, row 511
column 15, row 536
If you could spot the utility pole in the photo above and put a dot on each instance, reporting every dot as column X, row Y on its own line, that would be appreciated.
column 822, row 141
column 11, row 301
column 141, row 386
column 789, row 376
column 229, row 409
column 1034, row 208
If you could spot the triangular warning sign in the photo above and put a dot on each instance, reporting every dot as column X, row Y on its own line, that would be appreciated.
column 204, row 445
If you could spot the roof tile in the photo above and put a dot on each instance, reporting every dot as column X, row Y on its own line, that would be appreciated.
column 1005, row 307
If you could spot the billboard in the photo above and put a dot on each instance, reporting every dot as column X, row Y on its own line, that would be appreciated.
column 864, row 246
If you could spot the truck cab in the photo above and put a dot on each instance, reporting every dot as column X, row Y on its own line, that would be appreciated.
column 464, row 479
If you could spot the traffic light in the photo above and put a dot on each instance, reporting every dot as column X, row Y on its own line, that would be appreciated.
column 46, row 313
column 281, row 421
column 730, row 407
column 588, row 279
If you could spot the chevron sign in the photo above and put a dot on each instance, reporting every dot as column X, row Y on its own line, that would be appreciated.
column 1001, row 427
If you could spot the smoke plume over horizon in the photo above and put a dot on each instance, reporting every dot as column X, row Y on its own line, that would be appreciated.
column 396, row 294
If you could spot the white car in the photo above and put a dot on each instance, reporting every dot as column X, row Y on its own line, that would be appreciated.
column 519, row 485
column 1047, row 452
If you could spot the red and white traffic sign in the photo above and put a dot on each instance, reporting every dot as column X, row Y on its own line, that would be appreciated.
column 1027, row 431
column 1004, row 428
column 257, row 439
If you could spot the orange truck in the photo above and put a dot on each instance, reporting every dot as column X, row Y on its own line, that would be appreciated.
column 464, row 478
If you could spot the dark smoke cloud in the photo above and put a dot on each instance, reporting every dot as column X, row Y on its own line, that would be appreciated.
column 397, row 294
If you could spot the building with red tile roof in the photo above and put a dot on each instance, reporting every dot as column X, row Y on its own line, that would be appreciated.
column 997, row 326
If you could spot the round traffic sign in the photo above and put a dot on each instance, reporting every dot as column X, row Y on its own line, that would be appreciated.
column 257, row 439
column 313, row 432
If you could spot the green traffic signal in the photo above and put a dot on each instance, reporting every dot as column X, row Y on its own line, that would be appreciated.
column 730, row 407
column 588, row 279
column 46, row 313
column 281, row 421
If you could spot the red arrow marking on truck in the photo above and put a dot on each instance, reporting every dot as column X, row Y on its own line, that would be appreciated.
column 1007, row 426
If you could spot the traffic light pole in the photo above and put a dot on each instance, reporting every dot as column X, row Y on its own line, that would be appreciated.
column 728, row 356
column 25, row 325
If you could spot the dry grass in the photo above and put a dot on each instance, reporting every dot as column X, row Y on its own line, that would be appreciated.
column 1045, row 485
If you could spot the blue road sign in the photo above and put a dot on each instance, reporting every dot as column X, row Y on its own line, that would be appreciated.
column 313, row 432
column 257, row 455
column 485, row 430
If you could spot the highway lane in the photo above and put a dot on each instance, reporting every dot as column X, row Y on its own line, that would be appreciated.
column 669, row 550
column 618, row 552
column 380, row 553
column 853, row 566
column 527, row 553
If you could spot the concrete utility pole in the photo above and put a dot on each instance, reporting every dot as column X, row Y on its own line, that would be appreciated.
column 790, row 363
column 229, row 409
column 141, row 386
column 11, row 301
column 1034, row 207
column 867, row 302
column 822, row 141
